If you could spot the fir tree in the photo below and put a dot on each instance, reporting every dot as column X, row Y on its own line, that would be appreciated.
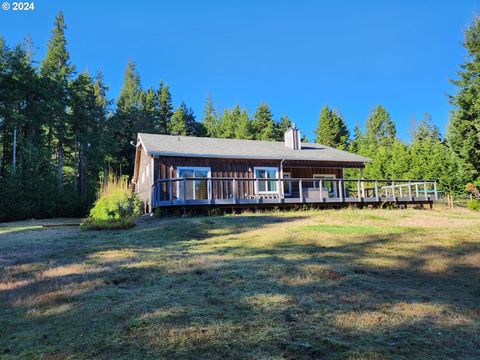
column 127, row 118
column 263, row 123
column 283, row 125
column 56, row 70
column 210, row 120
column 183, row 122
column 380, row 128
column 331, row 129
column 244, row 127
column 464, row 128
column 165, row 108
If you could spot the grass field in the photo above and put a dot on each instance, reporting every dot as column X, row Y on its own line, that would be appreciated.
column 347, row 284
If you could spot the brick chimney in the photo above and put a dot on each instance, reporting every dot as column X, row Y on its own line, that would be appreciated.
column 293, row 138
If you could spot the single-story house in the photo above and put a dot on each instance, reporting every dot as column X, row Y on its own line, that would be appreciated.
column 185, row 170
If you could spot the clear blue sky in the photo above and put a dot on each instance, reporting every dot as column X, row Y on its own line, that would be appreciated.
column 296, row 55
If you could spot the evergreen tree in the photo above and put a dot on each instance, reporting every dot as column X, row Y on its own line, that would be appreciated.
column 380, row 128
column 210, row 120
column 283, row 125
column 357, row 140
column 227, row 126
column 399, row 164
column 165, row 108
column 183, row 122
column 106, row 134
column 244, row 127
column 57, row 71
column 464, row 128
column 263, row 123
column 127, row 119
column 331, row 129
column 150, row 112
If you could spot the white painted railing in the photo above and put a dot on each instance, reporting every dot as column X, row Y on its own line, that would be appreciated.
column 211, row 191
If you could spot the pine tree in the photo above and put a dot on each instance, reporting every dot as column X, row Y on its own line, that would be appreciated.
column 244, row 127
column 357, row 141
column 105, row 131
column 263, row 123
column 84, row 125
column 127, row 119
column 399, row 163
column 227, row 127
column 331, row 129
column 150, row 112
column 210, row 120
column 165, row 108
column 283, row 125
column 464, row 128
column 380, row 128
column 57, row 71
column 183, row 122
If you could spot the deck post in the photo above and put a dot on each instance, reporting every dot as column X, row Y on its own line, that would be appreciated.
column 320, row 185
column 435, row 190
column 280, row 190
column 340, row 188
column 170, row 191
column 377, row 198
column 234, row 191
column 416, row 190
column 359, row 191
column 300, row 189
column 209, row 189
column 393, row 190
column 401, row 190
column 425, row 190
column 410, row 197
column 152, row 196
column 184, row 190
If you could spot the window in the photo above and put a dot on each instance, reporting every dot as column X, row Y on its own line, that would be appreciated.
column 287, row 185
column 329, row 186
column 197, row 189
column 266, row 186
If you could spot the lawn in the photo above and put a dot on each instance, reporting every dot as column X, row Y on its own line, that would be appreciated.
column 344, row 284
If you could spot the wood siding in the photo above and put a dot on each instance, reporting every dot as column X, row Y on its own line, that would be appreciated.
column 166, row 167
column 144, row 182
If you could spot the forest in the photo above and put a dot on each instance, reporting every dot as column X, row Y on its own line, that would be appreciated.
column 61, row 136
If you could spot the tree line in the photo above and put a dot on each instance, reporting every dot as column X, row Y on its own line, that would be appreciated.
column 60, row 134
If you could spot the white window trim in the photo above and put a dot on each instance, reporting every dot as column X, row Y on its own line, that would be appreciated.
column 256, row 182
column 194, row 168
column 289, row 184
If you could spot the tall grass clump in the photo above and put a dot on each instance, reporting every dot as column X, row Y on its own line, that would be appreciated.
column 474, row 204
column 115, row 207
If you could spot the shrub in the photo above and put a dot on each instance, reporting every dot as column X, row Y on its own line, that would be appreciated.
column 107, row 224
column 474, row 204
column 116, row 201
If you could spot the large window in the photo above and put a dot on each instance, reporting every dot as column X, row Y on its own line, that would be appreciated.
column 197, row 189
column 328, row 184
column 266, row 186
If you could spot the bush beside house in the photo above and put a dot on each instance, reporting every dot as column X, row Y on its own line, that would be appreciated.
column 115, row 208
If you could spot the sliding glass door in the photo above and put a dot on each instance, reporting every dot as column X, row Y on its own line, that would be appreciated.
column 197, row 189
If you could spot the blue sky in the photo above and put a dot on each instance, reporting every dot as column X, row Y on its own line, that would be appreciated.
column 295, row 55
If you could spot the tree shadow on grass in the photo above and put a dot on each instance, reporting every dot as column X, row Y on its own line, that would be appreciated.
column 159, row 292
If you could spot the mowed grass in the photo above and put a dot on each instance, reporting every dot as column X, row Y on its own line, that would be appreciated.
column 345, row 284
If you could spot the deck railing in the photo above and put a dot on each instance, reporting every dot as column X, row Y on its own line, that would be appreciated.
column 223, row 191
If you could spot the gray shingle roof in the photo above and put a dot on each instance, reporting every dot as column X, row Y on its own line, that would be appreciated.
column 189, row 146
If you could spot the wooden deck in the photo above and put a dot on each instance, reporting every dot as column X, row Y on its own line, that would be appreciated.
column 252, row 192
